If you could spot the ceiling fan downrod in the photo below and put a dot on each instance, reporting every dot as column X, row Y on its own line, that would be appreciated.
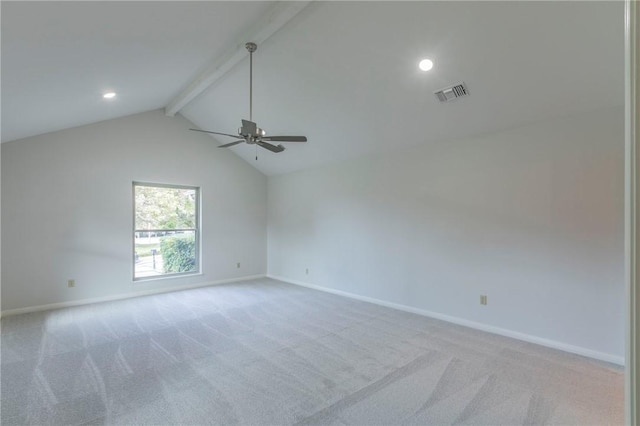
column 251, row 47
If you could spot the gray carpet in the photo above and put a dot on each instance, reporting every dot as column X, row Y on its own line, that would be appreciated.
column 268, row 353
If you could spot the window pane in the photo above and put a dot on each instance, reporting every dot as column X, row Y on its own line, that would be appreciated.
column 164, row 208
column 170, row 252
column 165, row 234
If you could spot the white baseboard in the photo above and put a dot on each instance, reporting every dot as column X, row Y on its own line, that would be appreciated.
column 60, row 305
column 614, row 359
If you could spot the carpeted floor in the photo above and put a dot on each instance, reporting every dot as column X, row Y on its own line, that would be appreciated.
column 268, row 353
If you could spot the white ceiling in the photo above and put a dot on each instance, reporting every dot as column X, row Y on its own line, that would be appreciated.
column 343, row 73
column 59, row 57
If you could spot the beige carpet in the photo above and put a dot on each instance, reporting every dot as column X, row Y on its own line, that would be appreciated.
column 268, row 353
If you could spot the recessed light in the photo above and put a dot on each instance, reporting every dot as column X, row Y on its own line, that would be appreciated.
column 425, row 64
column 109, row 95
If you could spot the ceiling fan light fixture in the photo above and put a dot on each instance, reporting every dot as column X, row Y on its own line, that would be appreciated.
column 425, row 64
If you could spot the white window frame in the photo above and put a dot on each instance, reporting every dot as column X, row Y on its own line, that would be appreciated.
column 196, row 231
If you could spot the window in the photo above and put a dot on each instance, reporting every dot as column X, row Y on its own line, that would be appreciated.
column 165, row 230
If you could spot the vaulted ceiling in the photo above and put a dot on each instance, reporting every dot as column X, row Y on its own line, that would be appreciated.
column 342, row 73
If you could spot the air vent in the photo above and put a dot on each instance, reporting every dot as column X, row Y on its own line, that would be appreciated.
column 453, row 92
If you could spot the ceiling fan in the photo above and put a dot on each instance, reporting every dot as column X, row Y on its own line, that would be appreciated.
column 250, row 133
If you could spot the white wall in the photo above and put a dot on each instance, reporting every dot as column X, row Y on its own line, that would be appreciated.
column 0, row 229
column 632, row 103
column 532, row 217
column 67, row 208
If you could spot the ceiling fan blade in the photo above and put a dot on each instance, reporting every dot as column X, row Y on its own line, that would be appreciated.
column 215, row 133
column 285, row 138
column 249, row 128
column 272, row 148
column 231, row 144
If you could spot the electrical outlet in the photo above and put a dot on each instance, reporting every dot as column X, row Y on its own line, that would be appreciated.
column 238, row 265
column 71, row 283
column 483, row 299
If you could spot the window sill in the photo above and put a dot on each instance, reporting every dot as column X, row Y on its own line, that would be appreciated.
column 167, row 277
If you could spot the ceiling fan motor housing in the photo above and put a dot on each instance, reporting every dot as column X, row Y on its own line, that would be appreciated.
column 259, row 133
